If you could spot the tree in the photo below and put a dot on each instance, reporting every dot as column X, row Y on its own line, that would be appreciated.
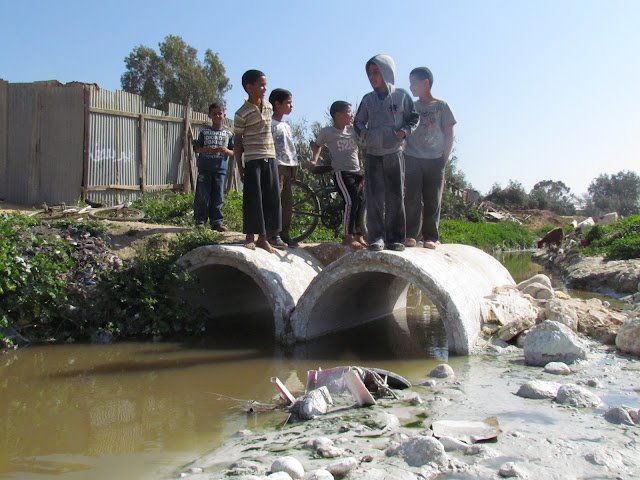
column 552, row 195
column 175, row 75
column 512, row 196
column 619, row 192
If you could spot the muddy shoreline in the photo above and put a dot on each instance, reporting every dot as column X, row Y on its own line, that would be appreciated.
column 537, row 439
column 616, row 278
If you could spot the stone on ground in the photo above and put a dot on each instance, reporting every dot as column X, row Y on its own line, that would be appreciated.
column 552, row 342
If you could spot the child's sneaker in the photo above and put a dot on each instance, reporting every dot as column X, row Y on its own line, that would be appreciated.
column 289, row 241
column 396, row 247
column 376, row 246
column 218, row 227
column 276, row 242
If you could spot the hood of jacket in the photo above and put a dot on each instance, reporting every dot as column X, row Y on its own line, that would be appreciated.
column 387, row 68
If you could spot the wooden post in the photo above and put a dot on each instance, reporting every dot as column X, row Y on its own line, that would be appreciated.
column 85, row 144
column 187, row 174
column 142, row 140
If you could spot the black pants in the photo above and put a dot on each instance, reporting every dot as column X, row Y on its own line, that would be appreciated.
column 384, row 196
column 423, row 197
column 350, row 188
column 261, row 212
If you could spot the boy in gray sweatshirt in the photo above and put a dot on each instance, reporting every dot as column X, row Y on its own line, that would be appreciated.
column 385, row 117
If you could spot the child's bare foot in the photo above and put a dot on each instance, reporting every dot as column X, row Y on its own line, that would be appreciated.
column 264, row 244
column 249, row 242
column 360, row 239
column 430, row 244
column 351, row 242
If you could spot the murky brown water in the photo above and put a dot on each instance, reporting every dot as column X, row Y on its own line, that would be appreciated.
column 139, row 410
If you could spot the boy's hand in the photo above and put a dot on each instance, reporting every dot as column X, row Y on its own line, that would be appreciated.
column 401, row 134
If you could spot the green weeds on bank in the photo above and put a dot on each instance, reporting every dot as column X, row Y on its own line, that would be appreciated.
column 34, row 279
column 486, row 236
column 618, row 241
column 43, row 295
column 170, row 208
column 143, row 298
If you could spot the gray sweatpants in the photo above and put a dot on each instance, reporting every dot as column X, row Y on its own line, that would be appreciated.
column 384, row 194
column 424, row 183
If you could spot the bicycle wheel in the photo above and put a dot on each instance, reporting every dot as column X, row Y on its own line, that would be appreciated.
column 306, row 211
column 122, row 214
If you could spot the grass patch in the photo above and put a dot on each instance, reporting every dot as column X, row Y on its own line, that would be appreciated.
column 170, row 208
column 486, row 236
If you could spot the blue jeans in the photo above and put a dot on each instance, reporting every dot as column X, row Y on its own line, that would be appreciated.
column 209, row 197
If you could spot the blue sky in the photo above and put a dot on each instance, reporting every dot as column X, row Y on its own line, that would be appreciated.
column 541, row 90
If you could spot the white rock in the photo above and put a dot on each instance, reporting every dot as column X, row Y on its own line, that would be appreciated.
column 320, row 442
column 413, row 398
column 557, row 368
column 289, row 465
column 319, row 475
column 537, row 389
column 507, row 305
column 552, row 342
column 279, row 476
column 342, row 467
column 628, row 338
column 510, row 470
column 312, row 404
column 561, row 312
column 606, row 458
column 619, row 415
column 512, row 329
column 538, row 291
column 418, row 451
column 540, row 278
column 442, row 371
column 577, row 396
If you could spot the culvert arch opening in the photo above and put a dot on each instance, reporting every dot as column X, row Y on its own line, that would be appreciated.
column 225, row 292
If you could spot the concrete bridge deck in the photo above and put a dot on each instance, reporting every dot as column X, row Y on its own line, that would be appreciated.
column 309, row 301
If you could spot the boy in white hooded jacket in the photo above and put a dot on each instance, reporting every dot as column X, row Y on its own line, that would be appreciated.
column 385, row 117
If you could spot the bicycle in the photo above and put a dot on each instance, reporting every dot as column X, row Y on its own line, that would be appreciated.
column 119, row 213
column 57, row 212
column 314, row 205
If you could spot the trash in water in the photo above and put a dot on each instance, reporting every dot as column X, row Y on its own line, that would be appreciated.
column 467, row 431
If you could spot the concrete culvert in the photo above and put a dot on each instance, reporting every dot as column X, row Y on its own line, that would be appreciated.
column 364, row 286
column 236, row 280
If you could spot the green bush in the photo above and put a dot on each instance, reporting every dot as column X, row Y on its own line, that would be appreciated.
column 141, row 300
column 624, row 248
column 619, row 240
column 33, row 285
column 232, row 210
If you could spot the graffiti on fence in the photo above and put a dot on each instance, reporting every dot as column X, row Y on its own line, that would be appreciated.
column 111, row 155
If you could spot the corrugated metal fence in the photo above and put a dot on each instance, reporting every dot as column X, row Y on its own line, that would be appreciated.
column 62, row 143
